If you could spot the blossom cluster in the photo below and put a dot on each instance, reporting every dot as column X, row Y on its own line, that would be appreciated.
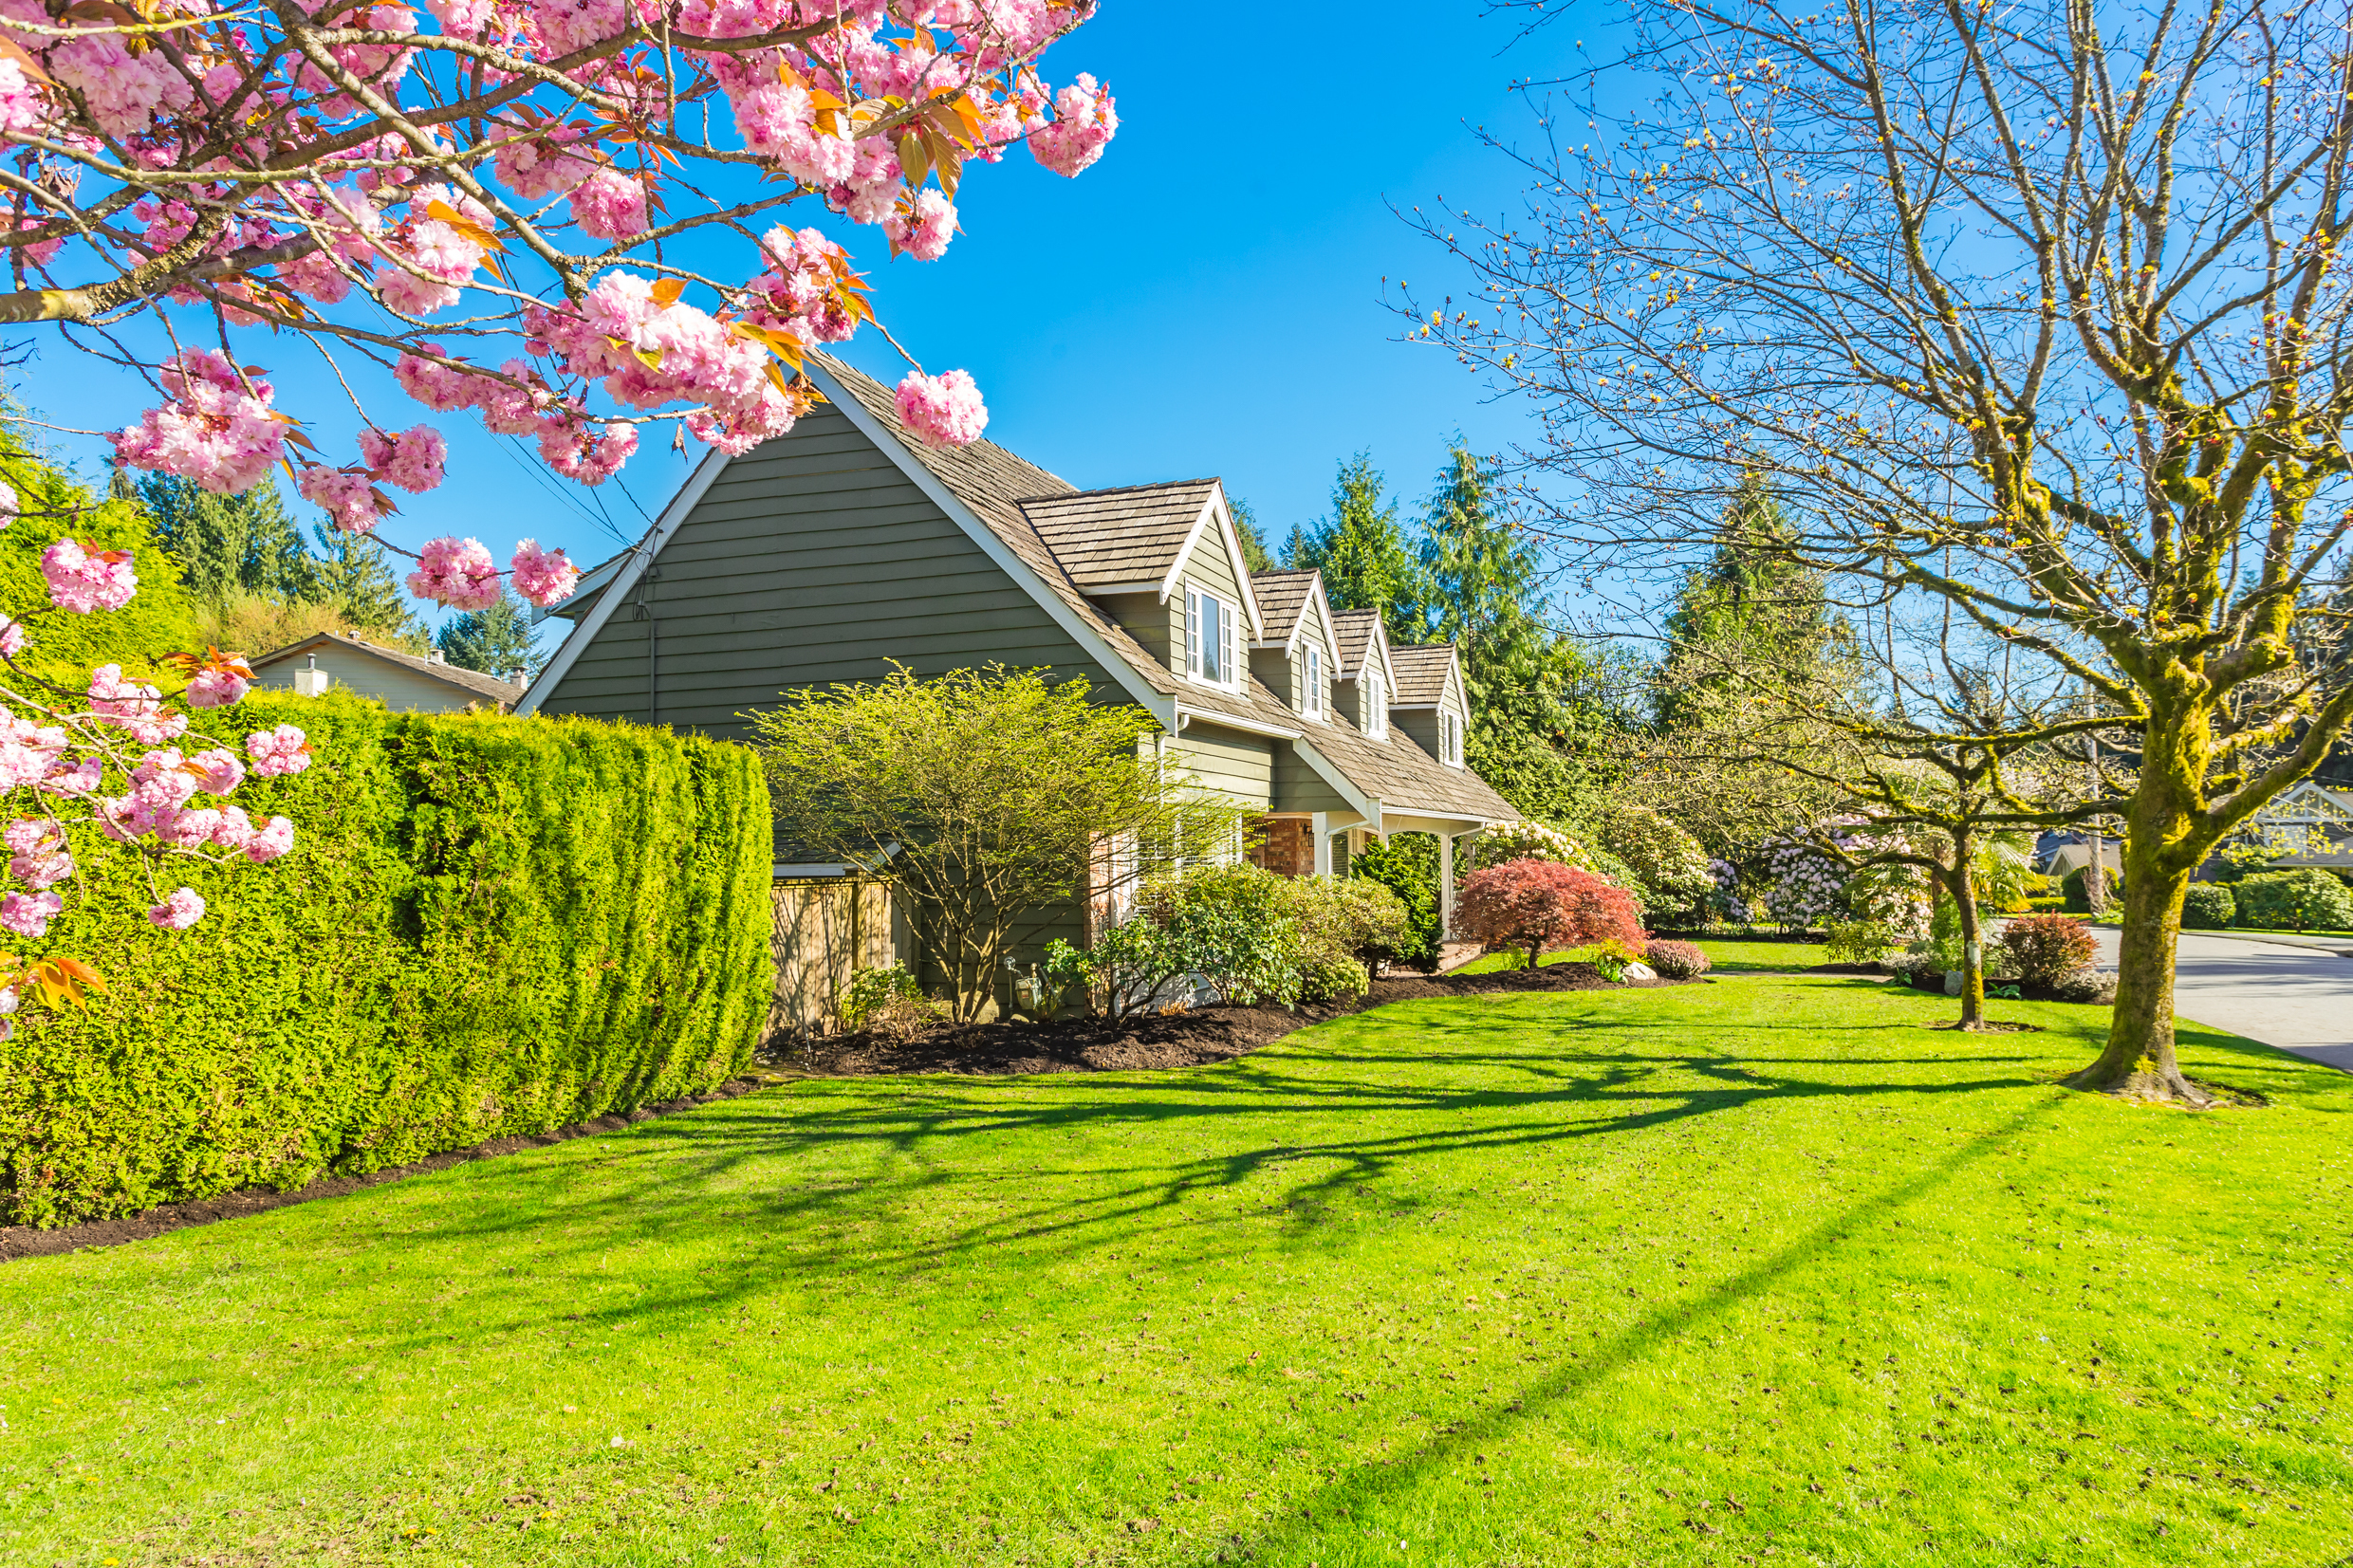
column 374, row 175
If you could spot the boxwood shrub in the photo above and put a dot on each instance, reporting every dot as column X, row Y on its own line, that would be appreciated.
column 488, row 927
column 2208, row 906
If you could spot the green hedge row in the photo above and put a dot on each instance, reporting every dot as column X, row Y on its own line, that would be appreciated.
column 489, row 926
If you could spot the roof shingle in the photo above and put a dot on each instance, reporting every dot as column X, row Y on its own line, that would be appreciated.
column 504, row 692
column 1131, row 534
column 1420, row 669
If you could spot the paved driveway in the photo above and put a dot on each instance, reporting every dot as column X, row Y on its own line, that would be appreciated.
column 2298, row 998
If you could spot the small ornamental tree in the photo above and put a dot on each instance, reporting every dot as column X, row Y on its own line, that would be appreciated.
column 548, row 213
column 2045, row 948
column 1536, row 905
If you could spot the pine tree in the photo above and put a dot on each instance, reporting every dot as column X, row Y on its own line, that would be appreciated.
column 1748, row 614
column 230, row 541
column 356, row 578
column 496, row 641
column 1362, row 553
column 1253, row 544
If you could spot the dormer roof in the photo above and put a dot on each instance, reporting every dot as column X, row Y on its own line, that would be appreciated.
column 1422, row 670
column 1127, row 535
column 1355, row 632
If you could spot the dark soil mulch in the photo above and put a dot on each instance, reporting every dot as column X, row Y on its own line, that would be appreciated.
column 1179, row 1040
column 25, row 1241
column 1191, row 1039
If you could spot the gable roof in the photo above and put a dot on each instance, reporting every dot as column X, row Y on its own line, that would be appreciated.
column 475, row 682
column 1355, row 632
column 1421, row 669
column 1131, row 534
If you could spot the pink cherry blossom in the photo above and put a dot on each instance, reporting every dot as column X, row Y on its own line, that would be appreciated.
column 180, row 912
column 211, row 688
column 269, row 841
column 586, row 454
column 921, row 227
column 413, row 460
column 457, row 572
column 133, row 706
column 610, row 205
column 87, row 576
column 285, row 749
column 942, row 411
column 213, row 431
column 216, row 770
column 234, row 830
column 1083, row 123
column 37, row 853
column 29, row 914
column 7, row 503
column 11, row 637
column 543, row 577
column 346, row 495
column 73, row 779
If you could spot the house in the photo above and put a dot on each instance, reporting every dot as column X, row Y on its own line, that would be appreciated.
column 410, row 682
column 2307, row 825
column 823, row 555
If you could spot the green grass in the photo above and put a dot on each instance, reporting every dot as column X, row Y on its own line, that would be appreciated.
column 1729, row 957
column 1758, row 1271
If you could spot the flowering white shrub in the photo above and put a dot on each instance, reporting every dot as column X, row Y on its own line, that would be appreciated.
column 1528, row 841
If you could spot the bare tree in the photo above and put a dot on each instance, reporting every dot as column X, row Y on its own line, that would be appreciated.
column 2036, row 306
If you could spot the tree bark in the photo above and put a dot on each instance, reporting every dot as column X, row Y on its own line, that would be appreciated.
column 2162, row 848
column 1964, row 889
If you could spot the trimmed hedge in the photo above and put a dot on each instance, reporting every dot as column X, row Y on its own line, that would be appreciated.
column 488, row 927
column 2208, row 906
column 2306, row 898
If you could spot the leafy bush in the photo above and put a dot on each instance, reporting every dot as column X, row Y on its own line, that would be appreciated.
column 1671, row 867
column 1407, row 866
column 488, row 927
column 1676, row 960
column 1538, row 904
column 1228, row 924
column 2079, row 901
column 1861, row 941
column 2208, row 906
column 2086, row 985
column 1342, row 927
column 2305, row 900
column 888, row 1001
column 1507, row 842
column 2044, row 948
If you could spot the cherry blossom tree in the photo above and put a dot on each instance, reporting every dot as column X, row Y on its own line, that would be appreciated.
column 548, row 214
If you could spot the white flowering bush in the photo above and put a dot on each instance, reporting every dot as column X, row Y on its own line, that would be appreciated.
column 1530, row 841
column 1803, row 886
column 1673, row 869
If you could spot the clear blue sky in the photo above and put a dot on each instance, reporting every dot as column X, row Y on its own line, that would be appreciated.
column 1206, row 300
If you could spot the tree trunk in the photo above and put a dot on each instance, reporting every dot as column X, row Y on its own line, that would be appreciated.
column 1964, row 889
column 2160, row 854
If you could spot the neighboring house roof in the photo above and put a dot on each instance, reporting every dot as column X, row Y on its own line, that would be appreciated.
column 1131, row 535
column 1421, row 669
column 506, row 693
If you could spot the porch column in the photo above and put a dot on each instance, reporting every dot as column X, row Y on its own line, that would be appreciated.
column 1323, row 833
column 1446, row 886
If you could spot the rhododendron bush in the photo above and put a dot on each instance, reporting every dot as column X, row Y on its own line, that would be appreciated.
column 488, row 927
column 558, row 216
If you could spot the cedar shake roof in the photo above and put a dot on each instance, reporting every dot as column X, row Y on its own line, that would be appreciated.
column 506, row 693
column 1352, row 631
column 1420, row 669
column 1000, row 488
column 1282, row 600
column 1131, row 534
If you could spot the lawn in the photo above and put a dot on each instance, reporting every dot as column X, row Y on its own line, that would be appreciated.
column 1762, row 1270
column 1729, row 956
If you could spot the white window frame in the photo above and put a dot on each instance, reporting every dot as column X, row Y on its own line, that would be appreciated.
column 1377, row 701
column 1311, row 674
column 1450, row 737
column 1229, row 639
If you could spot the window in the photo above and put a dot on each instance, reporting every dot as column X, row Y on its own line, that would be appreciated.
column 1376, row 702
column 1212, row 653
column 1311, row 703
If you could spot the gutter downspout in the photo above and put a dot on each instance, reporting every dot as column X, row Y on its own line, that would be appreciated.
column 652, row 644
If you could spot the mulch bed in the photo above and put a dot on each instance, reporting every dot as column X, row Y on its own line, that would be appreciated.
column 1194, row 1037
column 1191, row 1039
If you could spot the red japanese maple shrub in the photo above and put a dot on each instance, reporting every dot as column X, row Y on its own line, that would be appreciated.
column 1539, row 904
column 2045, row 948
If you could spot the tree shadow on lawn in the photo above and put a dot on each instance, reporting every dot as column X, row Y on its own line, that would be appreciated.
column 1621, row 1094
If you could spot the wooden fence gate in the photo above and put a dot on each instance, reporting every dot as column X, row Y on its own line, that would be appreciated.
column 824, row 932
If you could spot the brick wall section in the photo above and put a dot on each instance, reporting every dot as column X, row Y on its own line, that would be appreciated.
column 1282, row 846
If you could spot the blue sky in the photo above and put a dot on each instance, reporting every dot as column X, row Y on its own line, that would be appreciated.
column 1205, row 300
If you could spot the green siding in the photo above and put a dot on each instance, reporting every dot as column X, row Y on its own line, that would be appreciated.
column 1150, row 622
column 1227, row 760
column 1298, row 787
column 809, row 560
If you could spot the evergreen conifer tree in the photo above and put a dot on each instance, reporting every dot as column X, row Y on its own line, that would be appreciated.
column 356, row 578
column 496, row 641
column 230, row 541
column 1362, row 553
column 1246, row 531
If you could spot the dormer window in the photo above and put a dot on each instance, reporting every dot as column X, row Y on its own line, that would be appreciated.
column 1213, row 648
column 1311, row 700
column 1449, row 738
column 1376, row 702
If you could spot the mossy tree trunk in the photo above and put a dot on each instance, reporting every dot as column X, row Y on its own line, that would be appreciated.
column 1961, row 884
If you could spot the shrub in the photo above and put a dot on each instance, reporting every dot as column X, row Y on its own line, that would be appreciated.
column 1676, row 960
column 2078, row 900
column 2305, row 900
column 488, row 927
column 1407, row 866
column 2208, row 906
column 2044, row 948
column 1340, row 927
column 1228, row 924
column 2086, row 985
column 1861, row 941
column 1537, row 904
column 1669, row 862
column 888, row 1001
